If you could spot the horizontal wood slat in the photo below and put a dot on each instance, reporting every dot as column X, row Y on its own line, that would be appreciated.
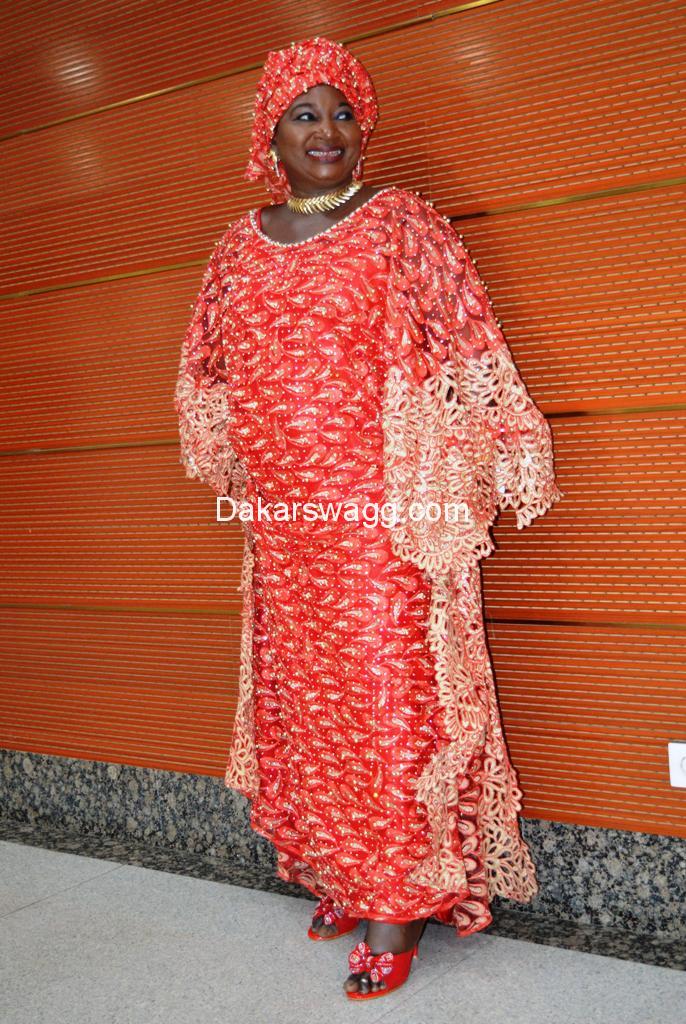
column 589, row 713
column 614, row 549
column 109, row 529
column 101, row 361
column 122, row 529
column 128, row 686
column 155, row 183
column 134, row 678
column 91, row 54
column 589, row 296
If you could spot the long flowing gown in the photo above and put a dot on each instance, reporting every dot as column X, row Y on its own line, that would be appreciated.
column 345, row 705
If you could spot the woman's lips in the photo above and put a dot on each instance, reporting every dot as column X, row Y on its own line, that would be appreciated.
column 325, row 156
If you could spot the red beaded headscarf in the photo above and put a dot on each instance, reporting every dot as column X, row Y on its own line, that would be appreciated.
column 290, row 72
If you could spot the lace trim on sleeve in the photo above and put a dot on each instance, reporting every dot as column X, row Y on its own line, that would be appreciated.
column 201, row 396
column 461, row 428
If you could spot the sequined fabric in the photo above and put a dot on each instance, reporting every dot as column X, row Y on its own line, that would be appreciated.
column 362, row 365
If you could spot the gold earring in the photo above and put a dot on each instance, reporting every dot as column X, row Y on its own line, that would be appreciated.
column 275, row 159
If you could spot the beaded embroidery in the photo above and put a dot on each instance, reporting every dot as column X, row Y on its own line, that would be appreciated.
column 368, row 736
column 361, row 959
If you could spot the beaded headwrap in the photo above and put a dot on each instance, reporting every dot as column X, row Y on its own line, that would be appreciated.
column 290, row 72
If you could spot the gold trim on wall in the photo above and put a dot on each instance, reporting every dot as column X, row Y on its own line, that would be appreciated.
column 219, row 75
column 235, row 612
column 536, row 204
column 636, row 410
column 124, row 609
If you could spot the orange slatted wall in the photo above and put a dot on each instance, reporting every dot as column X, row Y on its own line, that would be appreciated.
column 553, row 133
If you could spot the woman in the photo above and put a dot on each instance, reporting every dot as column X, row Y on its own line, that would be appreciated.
column 343, row 352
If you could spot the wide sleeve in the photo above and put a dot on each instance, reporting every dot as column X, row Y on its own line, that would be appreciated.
column 461, row 427
column 201, row 394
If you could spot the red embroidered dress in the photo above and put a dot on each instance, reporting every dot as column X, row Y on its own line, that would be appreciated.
column 364, row 365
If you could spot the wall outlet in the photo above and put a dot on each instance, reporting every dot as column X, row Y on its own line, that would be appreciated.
column 677, row 764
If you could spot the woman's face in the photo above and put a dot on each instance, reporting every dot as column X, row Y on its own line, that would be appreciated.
column 318, row 141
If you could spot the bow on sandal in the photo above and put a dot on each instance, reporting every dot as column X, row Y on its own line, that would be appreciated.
column 391, row 968
column 332, row 914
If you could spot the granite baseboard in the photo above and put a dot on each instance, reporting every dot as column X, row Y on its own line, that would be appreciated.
column 601, row 890
column 532, row 927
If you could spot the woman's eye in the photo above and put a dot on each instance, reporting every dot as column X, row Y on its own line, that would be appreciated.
column 347, row 114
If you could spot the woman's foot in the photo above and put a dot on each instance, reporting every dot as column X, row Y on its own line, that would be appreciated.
column 380, row 936
column 321, row 928
column 330, row 921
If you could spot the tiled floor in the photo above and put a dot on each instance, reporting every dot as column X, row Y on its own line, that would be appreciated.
column 92, row 941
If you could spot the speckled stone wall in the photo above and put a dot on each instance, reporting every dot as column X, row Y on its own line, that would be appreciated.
column 607, row 879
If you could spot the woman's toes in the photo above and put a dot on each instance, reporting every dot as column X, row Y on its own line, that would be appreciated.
column 320, row 928
column 356, row 983
column 364, row 983
column 361, row 983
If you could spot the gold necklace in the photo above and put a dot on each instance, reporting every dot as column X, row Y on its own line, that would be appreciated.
column 318, row 204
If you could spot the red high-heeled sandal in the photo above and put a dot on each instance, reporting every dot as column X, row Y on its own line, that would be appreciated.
column 391, row 968
column 332, row 914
